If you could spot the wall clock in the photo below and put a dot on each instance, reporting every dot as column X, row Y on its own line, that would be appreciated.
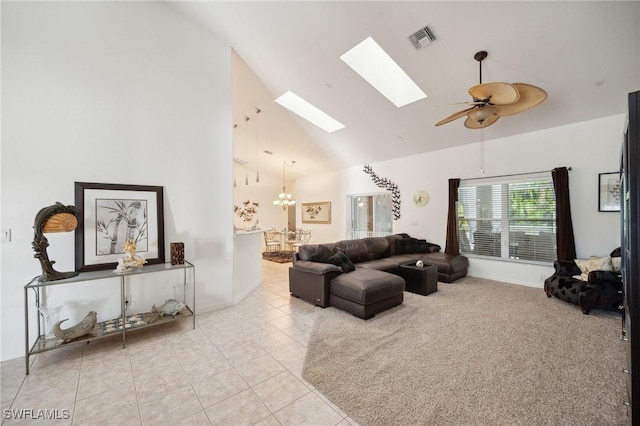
column 420, row 198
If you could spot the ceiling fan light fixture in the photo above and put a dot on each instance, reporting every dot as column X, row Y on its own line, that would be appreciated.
column 470, row 123
column 495, row 100
column 481, row 113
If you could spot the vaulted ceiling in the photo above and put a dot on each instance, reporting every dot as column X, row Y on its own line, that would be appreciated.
column 585, row 55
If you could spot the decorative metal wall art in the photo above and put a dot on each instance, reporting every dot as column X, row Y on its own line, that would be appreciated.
column 52, row 219
column 389, row 186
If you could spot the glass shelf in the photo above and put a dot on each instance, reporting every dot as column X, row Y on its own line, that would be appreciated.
column 101, row 275
column 104, row 328
column 43, row 344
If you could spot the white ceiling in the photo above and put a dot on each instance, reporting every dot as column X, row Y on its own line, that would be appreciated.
column 586, row 55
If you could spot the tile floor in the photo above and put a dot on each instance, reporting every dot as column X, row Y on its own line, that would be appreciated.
column 240, row 366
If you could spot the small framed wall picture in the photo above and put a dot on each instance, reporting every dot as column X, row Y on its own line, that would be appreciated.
column 319, row 212
column 609, row 192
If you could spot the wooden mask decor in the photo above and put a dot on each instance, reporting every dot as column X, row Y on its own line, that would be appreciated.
column 55, row 218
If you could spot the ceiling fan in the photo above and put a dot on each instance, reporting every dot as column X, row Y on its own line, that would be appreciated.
column 494, row 100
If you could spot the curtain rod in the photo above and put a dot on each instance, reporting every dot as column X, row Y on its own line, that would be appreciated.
column 515, row 174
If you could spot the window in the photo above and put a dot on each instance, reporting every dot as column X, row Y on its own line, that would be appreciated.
column 371, row 215
column 512, row 218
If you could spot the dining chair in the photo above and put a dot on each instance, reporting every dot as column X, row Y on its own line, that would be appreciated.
column 292, row 238
column 271, row 240
column 302, row 238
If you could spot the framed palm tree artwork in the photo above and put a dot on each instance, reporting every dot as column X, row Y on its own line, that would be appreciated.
column 112, row 214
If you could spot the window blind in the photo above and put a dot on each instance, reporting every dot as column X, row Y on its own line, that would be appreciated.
column 511, row 218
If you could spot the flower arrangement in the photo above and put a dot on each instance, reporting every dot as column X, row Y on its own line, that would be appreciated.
column 247, row 210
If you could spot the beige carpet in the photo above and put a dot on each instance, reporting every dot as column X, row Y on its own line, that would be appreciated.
column 477, row 352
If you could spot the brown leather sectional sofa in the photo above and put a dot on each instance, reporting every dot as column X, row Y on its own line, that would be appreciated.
column 310, row 280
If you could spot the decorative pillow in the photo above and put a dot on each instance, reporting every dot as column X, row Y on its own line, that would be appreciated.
column 566, row 267
column 593, row 264
column 414, row 245
column 617, row 263
column 434, row 248
column 322, row 254
column 342, row 260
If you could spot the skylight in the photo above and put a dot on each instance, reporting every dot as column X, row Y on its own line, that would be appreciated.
column 304, row 109
column 378, row 69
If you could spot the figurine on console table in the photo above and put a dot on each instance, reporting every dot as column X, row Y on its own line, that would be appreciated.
column 130, row 260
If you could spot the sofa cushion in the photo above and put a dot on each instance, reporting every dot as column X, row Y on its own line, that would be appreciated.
column 392, row 242
column 356, row 250
column 378, row 247
column 414, row 245
column 387, row 264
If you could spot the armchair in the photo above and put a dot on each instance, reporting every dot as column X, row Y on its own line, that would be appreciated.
column 602, row 288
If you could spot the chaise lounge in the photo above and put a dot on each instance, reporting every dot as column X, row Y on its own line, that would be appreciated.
column 593, row 283
column 363, row 276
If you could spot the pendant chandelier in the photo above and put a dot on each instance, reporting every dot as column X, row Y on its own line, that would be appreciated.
column 258, row 111
column 284, row 199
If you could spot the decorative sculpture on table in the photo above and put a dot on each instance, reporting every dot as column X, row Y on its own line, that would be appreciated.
column 82, row 328
column 130, row 260
column 52, row 219
column 170, row 307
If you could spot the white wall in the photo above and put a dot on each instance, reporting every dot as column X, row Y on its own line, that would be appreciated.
column 263, row 193
column 249, row 144
column 589, row 147
column 113, row 92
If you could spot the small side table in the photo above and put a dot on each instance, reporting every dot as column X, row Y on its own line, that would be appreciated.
column 418, row 280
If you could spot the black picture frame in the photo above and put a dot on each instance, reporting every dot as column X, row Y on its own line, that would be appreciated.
column 609, row 192
column 109, row 214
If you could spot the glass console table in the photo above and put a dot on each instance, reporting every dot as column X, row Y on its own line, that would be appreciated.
column 109, row 327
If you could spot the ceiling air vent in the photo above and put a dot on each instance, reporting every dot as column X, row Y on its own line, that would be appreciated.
column 422, row 38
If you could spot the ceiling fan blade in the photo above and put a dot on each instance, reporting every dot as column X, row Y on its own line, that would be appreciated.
column 495, row 93
column 530, row 96
column 467, row 103
column 470, row 123
column 454, row 116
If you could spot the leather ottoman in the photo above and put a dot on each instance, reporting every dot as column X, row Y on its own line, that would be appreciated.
column 365, row 292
